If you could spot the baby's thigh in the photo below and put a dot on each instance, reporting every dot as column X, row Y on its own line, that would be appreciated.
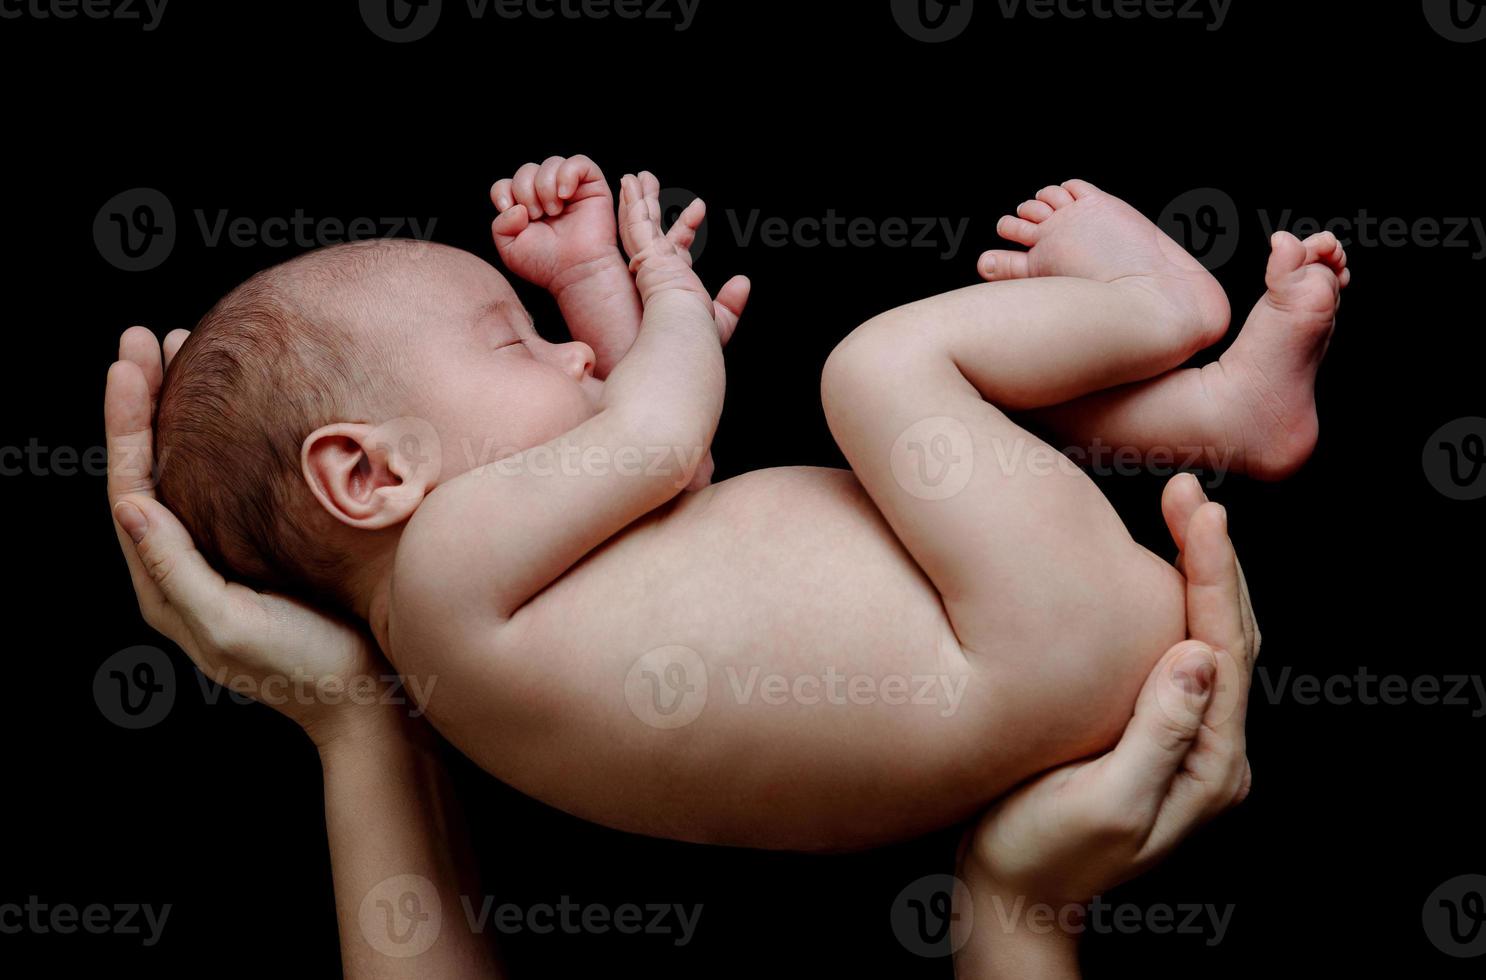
column 1065, row 688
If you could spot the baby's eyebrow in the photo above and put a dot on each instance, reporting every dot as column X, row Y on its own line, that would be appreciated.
column 504, row 309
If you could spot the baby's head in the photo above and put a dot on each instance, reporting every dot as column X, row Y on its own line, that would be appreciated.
column 313, row 409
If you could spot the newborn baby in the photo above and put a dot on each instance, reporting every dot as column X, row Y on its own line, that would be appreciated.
column 794, row 658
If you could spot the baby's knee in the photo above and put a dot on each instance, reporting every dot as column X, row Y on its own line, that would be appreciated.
column 874, row 358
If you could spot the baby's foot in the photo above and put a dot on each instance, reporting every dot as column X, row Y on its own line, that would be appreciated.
column 1078, row 230
column 1264, row 385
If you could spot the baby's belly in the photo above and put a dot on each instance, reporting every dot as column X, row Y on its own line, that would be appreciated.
column 761, row 663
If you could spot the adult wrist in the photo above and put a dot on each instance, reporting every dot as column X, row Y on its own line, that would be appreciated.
column 1017, row 932
column 366, row 729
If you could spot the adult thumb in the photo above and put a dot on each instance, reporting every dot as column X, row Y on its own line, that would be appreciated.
column 1168, row 717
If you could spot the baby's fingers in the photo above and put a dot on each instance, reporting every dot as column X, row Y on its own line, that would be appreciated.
column 503, row 194
column 684, row 232
column 545, row 185
column 577, row 173
column 638, row 227
column 524, row 190
column 728, row 308
column 509, row 224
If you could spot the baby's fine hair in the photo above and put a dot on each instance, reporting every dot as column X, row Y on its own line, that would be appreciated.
column 275, row 359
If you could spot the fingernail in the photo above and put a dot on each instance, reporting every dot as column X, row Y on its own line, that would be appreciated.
column 1195, row 680
column 132, row 520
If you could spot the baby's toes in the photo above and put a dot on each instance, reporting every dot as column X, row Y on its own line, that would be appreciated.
column 1019, row 230
column 1325, row 247
column 1055, row 197
column 1080, row 189
column 1035, row 211
column 999, row 265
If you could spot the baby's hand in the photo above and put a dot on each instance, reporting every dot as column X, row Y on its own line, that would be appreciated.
column 661, row 261
column 556, row 221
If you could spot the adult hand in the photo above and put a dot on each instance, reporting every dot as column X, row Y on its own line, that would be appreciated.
column 298, row 659
column 1079, row 830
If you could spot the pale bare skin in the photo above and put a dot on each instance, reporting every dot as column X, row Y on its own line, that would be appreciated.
column 1062, row 837
column 526, row 597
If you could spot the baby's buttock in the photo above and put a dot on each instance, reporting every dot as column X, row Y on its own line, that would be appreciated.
column 761, row 663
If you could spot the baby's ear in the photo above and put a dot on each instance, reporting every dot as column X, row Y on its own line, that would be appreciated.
column 372, row 476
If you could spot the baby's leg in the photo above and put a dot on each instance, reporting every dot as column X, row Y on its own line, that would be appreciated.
column 1057, row 608
column 1253, row 410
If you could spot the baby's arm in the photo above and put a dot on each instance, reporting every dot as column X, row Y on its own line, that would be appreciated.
column 505, row 531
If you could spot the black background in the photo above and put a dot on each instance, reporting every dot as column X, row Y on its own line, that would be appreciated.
column 1359, row 811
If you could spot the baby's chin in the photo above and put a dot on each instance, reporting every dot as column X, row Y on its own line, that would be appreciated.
column 593, row 389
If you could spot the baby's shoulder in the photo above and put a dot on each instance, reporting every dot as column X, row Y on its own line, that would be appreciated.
column 434, row 596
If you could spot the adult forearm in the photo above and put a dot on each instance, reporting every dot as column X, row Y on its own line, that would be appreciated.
column 1011, row 938
column 399, row 856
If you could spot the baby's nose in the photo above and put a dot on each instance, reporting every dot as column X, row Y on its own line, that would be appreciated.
column 577, row 358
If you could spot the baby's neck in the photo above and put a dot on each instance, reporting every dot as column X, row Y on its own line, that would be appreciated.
column 372, row 593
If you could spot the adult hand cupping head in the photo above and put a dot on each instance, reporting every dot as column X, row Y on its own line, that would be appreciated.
column 283, row 652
